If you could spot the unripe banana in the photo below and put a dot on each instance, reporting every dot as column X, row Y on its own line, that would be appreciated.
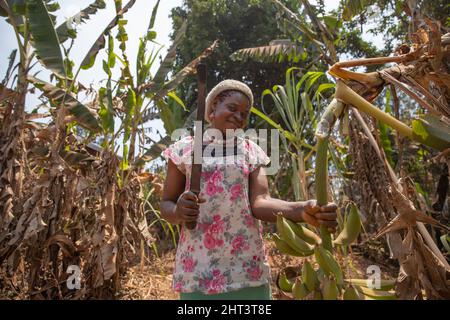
column 309, row 276
column 283, row 247
column 329, row 265
column 350, row 293
column 284, row 283
column 320, row 275
column 377, row 294
column 304, row 233
column 351, row 229
column 292, row 239
column 299, row 290
column 317, row 295
column 330, row 290
column 385, row 285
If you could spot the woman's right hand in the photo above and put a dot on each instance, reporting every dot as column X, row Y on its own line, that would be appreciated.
column 187, row 207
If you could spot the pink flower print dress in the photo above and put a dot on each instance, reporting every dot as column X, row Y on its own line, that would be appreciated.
column 225, row 252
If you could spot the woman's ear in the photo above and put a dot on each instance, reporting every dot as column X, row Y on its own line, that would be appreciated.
column 212, row 112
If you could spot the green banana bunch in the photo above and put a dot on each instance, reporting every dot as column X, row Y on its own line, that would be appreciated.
column 385, row 285
column 284, row 283
column 304, row 233
column 284, row 247
column 330, row 290
column 350, row 293
column 351, row 229
column 328, row 264
column 289, row 236
column 299, row 290
column 309, row 276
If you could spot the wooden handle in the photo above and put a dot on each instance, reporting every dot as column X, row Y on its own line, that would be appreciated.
column 196, row 171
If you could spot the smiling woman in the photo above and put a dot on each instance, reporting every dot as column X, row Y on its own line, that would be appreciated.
column 230, row 110
column 223, row 257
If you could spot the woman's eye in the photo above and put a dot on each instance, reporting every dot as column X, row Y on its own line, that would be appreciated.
column 232, row 108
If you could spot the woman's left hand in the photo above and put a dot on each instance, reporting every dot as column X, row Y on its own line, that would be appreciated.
column 317, row 216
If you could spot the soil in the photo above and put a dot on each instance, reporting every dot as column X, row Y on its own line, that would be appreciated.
column 153, row 279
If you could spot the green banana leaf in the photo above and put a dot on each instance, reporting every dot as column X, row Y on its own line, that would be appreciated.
column 166, row 64
column 153, row 16
column 431, row 131
column 83, row 115
column 14, row 10
column 182, row 74
column 76, row 159
column 12, row 59
column 45, row 39
column 99, row 44
column 270, row 53
column 372, row 294
column 65, row 32
column 302, row 26
column 155, row 150
column 353, row 8
column 445, row 240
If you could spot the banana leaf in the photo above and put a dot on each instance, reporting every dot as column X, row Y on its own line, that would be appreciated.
column 270, row 53
column 166, row 64
column 286, row 133
column 431, row 131
column 83, row 115
column 182, row 74
column 65, row 32
column 99, row 44
column 12, row 59
column 445, row 240
column 373, row 294
column 13, row 9
column 355, row 7
column 155, row 150
column 45, row 40
column 153, row 16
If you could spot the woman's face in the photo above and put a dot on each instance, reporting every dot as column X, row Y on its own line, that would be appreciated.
column 230, row 111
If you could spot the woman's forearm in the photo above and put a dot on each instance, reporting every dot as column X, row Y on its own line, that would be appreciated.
column 168, row 211
column 266, row 208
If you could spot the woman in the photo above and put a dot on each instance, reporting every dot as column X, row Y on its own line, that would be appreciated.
column 223, row 257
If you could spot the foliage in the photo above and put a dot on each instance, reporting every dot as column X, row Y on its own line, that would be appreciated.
column 236, row 24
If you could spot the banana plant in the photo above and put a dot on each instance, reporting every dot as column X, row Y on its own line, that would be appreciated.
column 277, row 50
column 296, row 108
column 37, row 37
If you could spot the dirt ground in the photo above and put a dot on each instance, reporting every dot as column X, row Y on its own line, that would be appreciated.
column 153, row 280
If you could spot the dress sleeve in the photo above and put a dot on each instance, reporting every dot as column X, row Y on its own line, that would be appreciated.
column 256, row 155
column 179, row 152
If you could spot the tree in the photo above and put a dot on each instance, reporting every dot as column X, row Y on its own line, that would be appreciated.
column 236, row 24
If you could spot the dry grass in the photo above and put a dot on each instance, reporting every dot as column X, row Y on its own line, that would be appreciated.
column 153, row 281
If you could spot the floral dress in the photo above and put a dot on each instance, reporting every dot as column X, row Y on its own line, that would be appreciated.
column 225, row 252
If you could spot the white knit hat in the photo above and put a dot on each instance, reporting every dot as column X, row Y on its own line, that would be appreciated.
column 225, row 85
